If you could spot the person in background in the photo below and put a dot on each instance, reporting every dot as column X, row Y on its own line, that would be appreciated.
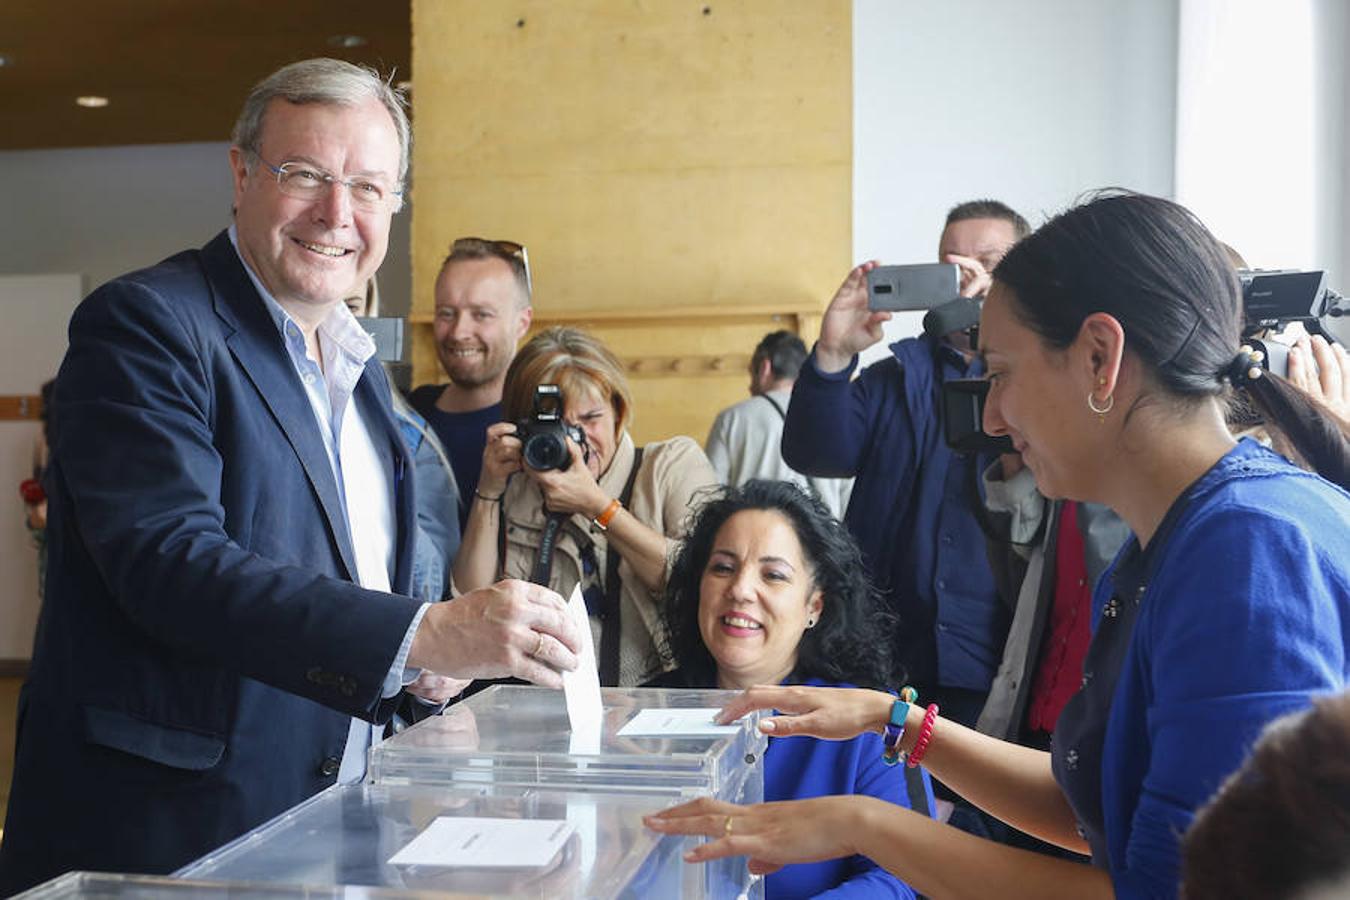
column 911, row 510
column 1050, row 554
column 437, row 491
column 1322, row 371
column 1111, row 339
column 437, row 538
column 611, row 514
column 745, row 440
column 31, row 490
column 483, row 309
column 1279, row 827
column 768, row 589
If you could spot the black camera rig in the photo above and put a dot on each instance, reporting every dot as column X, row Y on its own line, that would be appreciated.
column 1273, row 299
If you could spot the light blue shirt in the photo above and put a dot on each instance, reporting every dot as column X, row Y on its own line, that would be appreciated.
column 363, row 484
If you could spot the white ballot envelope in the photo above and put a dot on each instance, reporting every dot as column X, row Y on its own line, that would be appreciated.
column 581, row 686
column 486, row 843
column 677, row 722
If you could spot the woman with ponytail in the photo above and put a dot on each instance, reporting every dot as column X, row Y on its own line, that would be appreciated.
column 1111, row 341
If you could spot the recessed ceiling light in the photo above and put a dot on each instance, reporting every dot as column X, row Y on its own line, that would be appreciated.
column 5, row 59
column 347, row 41
column 91, row 101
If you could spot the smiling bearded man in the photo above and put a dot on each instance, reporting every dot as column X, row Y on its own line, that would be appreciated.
column 482, row 311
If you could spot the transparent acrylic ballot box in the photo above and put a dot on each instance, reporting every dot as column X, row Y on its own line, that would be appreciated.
column 106, row 886
column 517, row 735
column 360, row 836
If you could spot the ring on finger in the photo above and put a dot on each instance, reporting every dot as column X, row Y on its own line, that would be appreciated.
column 726, row 829
column 538, row 647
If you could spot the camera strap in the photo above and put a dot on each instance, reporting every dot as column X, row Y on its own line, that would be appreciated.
column 548, row 542
column 782, row 413
column 611, row 634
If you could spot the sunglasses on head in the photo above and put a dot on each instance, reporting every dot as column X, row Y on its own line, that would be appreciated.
column 507, row 250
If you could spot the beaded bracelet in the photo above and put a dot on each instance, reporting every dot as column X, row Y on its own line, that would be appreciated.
column 915, row 756
column 895, row 729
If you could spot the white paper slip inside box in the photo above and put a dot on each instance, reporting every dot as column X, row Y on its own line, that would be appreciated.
column 486, row 843
column 676, row 722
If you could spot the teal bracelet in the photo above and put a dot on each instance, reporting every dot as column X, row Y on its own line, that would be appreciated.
column 895, row 728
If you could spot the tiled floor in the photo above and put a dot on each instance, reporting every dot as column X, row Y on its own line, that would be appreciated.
column 9, row 705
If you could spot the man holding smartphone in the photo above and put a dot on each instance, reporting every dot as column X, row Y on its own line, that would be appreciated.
column 911, row 509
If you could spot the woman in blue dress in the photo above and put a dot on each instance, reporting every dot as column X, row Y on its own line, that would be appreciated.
column 768, row 588
column 1111, row 338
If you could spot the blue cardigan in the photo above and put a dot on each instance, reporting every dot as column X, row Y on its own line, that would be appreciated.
column 1242, row 615
column 798, row 768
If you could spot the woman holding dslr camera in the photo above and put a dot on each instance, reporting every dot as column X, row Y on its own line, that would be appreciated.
column 593, row 509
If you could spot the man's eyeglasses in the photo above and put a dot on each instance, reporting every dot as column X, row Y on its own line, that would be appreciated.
column 305, row 182
column 510, row 251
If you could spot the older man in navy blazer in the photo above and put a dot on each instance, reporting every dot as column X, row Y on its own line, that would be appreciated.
column 232, row 519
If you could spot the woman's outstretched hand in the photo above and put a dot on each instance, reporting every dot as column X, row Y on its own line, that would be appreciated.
column 772, row 835
column 835, row 714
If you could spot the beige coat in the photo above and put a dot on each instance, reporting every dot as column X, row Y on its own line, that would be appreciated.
column 668, row 485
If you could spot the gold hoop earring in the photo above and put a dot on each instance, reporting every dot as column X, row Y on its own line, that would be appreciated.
column 1102, row 410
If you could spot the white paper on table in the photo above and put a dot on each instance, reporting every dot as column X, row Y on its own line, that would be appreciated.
column 677, row 722
column 486, row 843
column 581, row 686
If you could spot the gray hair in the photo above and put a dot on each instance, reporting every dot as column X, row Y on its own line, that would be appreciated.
column 331, row 81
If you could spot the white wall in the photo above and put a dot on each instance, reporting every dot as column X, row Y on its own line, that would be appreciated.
column 1261, row 150
column 35, row 310
column 105, row 211
column 1031, row 102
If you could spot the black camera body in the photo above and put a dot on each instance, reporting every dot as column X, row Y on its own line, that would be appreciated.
column 543, row 436
column 1274, row 298
column 962, row 412
column 963, row 418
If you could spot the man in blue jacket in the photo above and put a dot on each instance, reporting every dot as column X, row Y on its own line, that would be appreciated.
column 232, row 518
column 912, row 509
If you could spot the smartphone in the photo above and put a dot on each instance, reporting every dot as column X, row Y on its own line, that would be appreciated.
column 922, row 286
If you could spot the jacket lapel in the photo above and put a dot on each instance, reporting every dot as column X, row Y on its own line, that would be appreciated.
column 257, row 346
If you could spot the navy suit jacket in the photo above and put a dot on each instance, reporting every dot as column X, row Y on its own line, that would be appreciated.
column 202, row 644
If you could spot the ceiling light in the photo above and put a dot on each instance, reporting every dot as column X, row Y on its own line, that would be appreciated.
column 347, row 41
column 5, row 59
column 91, row 101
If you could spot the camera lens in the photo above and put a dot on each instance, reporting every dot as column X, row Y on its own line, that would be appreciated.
column 546, row 451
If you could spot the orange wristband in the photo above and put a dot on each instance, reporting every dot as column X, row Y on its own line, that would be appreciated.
column 602, row 521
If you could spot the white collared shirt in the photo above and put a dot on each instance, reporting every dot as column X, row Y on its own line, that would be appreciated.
column 362, row 479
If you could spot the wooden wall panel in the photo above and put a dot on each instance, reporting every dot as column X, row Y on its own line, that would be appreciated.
column 680, row 172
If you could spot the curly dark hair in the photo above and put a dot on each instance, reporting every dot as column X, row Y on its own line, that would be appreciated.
column 847, row 644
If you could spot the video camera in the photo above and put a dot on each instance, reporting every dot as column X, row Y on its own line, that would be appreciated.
column 1272, row 299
